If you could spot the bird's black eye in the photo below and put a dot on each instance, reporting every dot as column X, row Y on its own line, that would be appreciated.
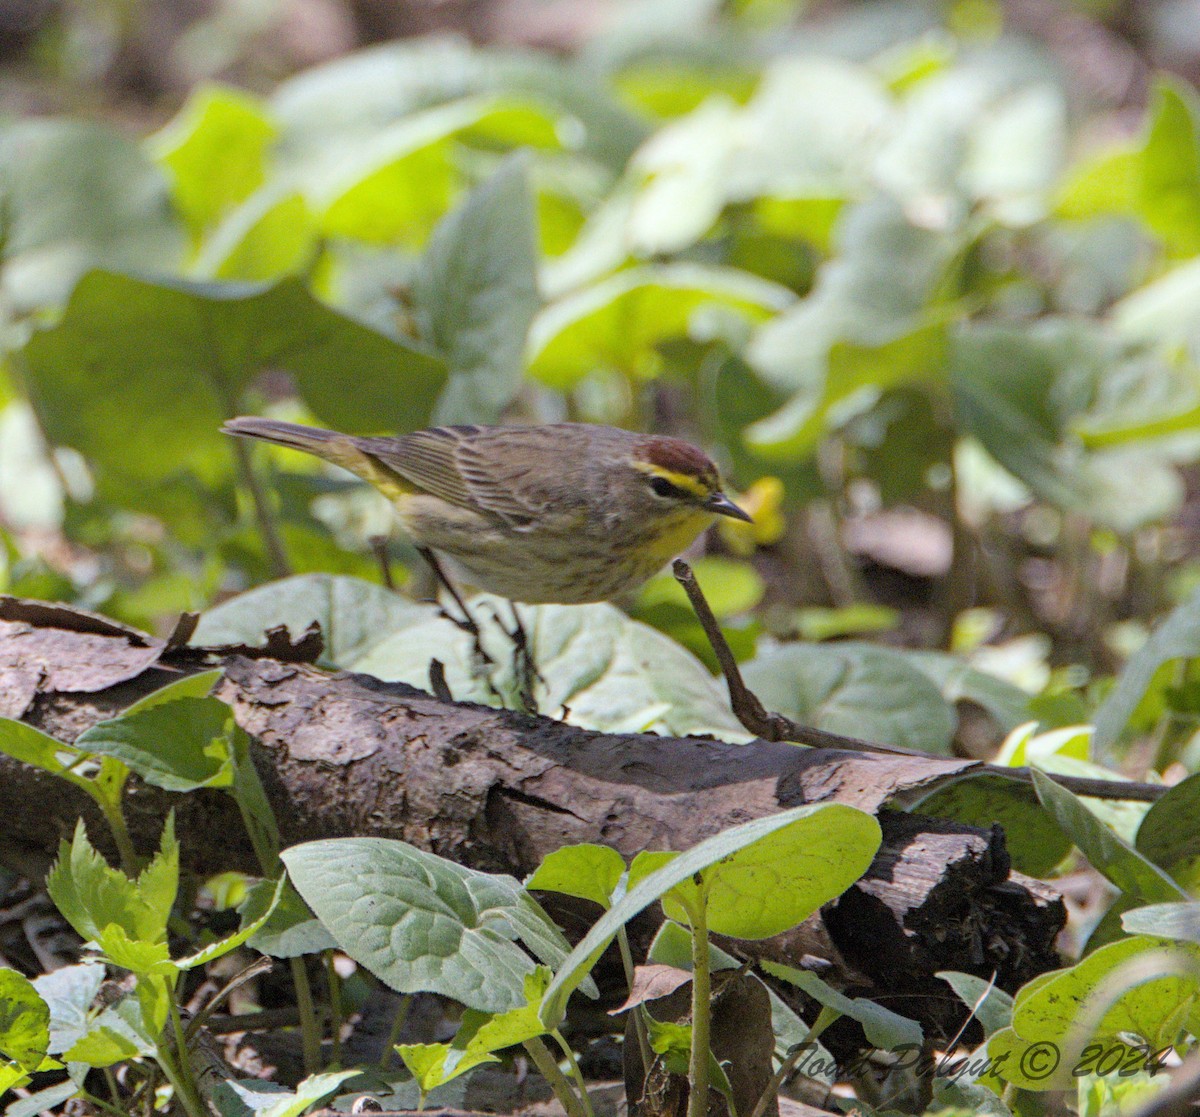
column 662, row 487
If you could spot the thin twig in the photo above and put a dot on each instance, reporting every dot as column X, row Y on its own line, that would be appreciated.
column 775, row 727
column 261, row 965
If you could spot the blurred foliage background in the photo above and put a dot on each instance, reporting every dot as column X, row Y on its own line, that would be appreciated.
column 922, row 276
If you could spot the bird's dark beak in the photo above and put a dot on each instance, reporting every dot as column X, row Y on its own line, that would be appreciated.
column 723, row 506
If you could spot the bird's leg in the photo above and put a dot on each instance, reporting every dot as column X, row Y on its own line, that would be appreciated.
column 466, row 622
column 524, row 666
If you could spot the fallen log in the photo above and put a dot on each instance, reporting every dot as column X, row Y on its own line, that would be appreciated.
column 344, row 754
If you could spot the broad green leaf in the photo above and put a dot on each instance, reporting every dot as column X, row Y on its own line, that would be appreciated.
column 31, row 746
column 12, row 1077
column 1165, row 921
column 991, row 1006
column 1170, row 833
column 831, row 846
column 347, row 101
column 354, row 615
column 178, row 745
column 433, row 1064
column 270, row 235
column 122, row 1031
column 609, row 672
column 870, row 323
column 24, row 1021
column 1107, row 853
column 855, row 689
column 69, row 992
column 44, row 1101
column 883, row 1028
column 138, row 376
column 1033, row 839
column 1140, row 986
column 421, row 923
column 591, row 872
column 479, row 1036
column 1178, row 637
column 616, row 323
column 1169, row 183
column 309, row 1091
column 1008, row 705
column 395, row 184
column 216, row 151
column 290, row 929
column 1021, row 391
column 79, row 195
column 255, row 912
column 475, row 293
column 199, row 685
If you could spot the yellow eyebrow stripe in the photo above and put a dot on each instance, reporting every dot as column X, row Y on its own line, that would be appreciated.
column 683, row 481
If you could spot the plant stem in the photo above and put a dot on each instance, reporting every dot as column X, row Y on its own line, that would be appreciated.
column 181, row 1073
column 639, row 1023
column 576, row 1073
column 115, row 818
column 397, row 1028
column 310, row 1028
column 701, row 1005
column 545, row 1063
column 264, row 513
column 99, row 1103
column 335, row 1010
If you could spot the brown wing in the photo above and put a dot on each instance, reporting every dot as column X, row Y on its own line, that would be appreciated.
column 514, row 473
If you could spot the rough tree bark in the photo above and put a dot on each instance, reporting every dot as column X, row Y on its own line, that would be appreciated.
column 344, row 754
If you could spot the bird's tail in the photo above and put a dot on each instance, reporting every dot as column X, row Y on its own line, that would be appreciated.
column 341, row 449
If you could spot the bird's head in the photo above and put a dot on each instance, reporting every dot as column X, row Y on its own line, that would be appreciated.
column 677, row 477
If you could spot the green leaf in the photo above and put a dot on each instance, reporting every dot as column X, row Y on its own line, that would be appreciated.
column 421, row 923
column 199, row 685
column 142, row 958
column 354, row 615
column 1107, row 853
column 1165, row 921
column 433, row 1065
column 69, row 991
column 79, row 195
column 138, row 376
column 1034, row 840
column 43, row 1101
column 270, row 235
column 1178, row 637
column 832, row 845
column 860, row 690
column 255, row 912
column 309, row 1091
column 216, row 152
column 1140, row 986
column 24, row 1021
column 92, row 896
column 179, row 745
column 475, row 294
column 882, row 1027
column 31, row 746
column 615, row 323
column 1170, row 832
column 991, row 1006
column 1022, row 391
column 1006, row 704
column 610, row 672
column 591, row 872
column 871, row 322
column 290, row 929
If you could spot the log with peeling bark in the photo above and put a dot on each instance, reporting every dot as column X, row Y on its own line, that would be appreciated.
column 344, row 754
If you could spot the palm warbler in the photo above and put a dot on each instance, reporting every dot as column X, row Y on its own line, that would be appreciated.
column 564, row 513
